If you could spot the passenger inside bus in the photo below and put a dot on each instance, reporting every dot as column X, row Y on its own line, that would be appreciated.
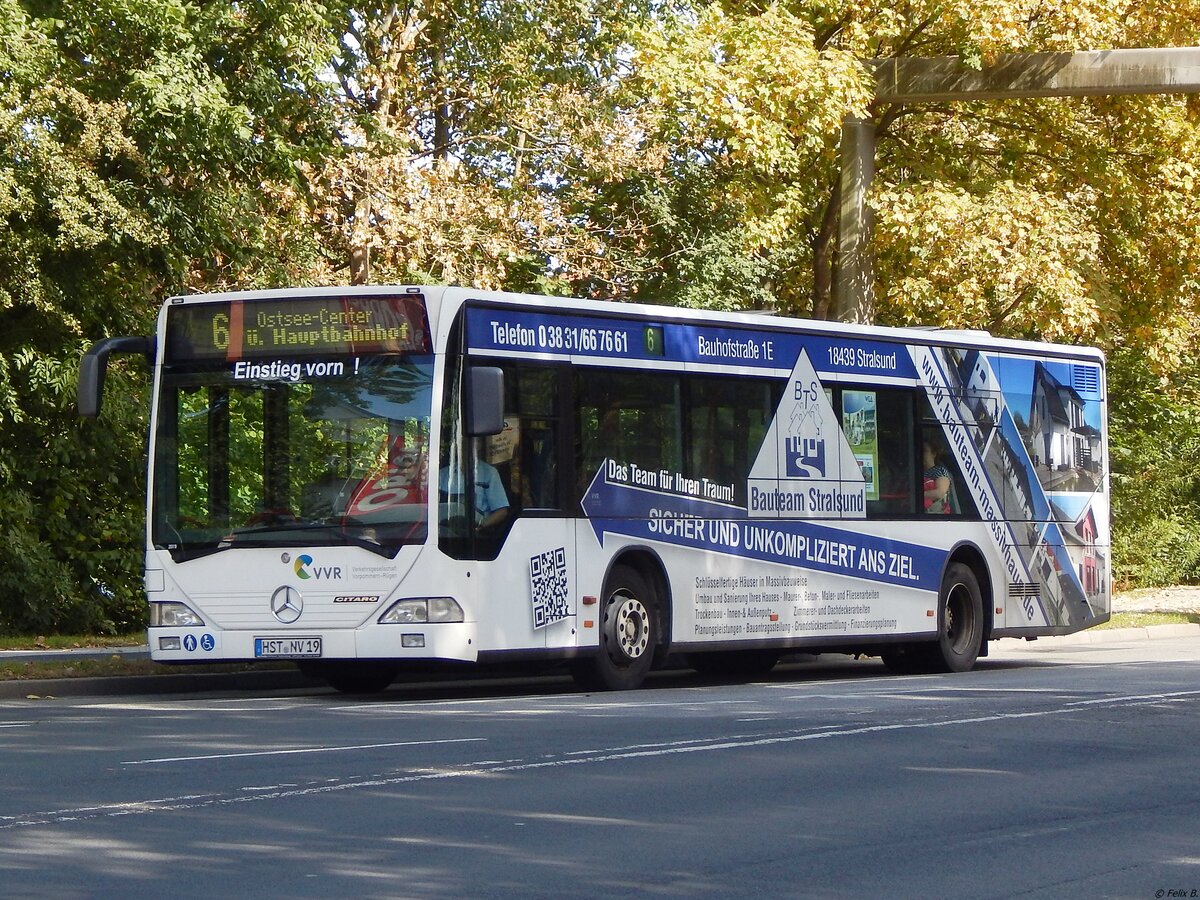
column 938, row 482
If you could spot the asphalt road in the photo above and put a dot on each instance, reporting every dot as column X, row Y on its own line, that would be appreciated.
column 1056, row 772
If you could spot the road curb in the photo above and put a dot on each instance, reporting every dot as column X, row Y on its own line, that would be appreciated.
column 1105, row 636
column 181, row 683
column 75, row 653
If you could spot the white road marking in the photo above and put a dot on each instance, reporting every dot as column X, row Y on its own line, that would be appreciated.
column 483, row 770
column 245, row 705
column 296, row 750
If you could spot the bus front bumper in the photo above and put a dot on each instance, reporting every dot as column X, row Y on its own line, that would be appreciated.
column 205, row 644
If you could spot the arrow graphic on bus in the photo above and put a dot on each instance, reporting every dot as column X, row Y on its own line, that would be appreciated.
column 613, row 506
column 620, row 509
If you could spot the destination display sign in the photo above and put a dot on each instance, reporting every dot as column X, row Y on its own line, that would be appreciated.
column 297, row 326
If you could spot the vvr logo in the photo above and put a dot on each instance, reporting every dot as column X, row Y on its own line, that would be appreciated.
column 805, row 457
column 303, row 570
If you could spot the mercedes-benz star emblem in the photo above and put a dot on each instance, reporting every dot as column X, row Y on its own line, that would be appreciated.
column 287, row 604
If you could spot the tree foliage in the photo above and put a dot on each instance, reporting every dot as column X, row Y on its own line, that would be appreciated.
column 1155, row 441
column 148, row 147
column 683, row 152
column 467, row 129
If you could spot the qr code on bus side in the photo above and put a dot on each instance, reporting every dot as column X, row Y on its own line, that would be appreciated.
column 548, row 587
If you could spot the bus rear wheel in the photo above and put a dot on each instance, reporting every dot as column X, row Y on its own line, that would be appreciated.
column 960, row 630
column 960, row 621
column 628, row 635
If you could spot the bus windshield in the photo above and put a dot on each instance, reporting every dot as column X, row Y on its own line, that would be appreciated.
column 292, row 458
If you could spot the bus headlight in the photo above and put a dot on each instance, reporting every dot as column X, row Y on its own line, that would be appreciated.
column 173, row 615
column 422, row 609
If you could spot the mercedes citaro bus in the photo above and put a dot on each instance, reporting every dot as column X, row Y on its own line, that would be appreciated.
column 363, row 478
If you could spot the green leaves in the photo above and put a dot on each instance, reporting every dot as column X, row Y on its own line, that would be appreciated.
column 754, row 89
column 683, row 152
column 146, row 146
column 1013, row 261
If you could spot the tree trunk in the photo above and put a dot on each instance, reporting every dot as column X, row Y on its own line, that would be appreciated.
column 360, row 243
column 824, row 255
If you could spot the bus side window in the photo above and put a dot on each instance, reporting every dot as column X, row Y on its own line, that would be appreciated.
column 727, row 420
column 896, row 469
column 525, row 453
column 958, row 500
column 538, row 447
column 631, row 418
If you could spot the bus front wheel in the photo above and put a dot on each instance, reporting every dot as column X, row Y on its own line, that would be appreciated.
column 353, row 677
column 628, row 636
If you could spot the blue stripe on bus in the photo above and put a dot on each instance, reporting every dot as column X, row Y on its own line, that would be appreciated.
column 696, row 524
column 529, row 331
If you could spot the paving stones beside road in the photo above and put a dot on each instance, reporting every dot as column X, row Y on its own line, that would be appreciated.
column 1182, row 599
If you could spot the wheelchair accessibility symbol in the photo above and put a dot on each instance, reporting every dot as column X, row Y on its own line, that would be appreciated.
column 207, row 642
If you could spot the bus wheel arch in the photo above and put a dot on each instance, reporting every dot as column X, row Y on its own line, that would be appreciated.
column 634, row 625
column 964, row 620
column 648, row 565
column 970, row 556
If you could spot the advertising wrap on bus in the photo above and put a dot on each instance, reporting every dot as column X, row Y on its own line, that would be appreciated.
column 530, row 332
column 359, row 477
column 1024, row 436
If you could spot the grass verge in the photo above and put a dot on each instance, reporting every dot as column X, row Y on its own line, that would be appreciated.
column 72, row 641
column 37, row 670
column 1146, row 619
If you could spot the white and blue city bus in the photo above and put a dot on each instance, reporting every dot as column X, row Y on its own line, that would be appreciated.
column 364, row 478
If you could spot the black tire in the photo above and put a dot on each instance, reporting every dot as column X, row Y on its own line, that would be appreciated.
column 960, row 622
column 906, row 659
column 353, row 677
column 628, row 635
column 734, row 663
column 960, row 630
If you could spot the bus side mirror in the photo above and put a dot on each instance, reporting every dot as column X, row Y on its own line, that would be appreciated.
column 94, row 366
column 485, row 401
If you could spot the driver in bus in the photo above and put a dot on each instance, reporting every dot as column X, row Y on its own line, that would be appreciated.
column 491, row 499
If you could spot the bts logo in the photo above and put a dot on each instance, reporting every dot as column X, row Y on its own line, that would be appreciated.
column 806, row 412
column 805, row 394
column 805, row 457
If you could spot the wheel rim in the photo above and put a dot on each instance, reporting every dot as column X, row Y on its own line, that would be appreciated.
column 960, row 628
column 631, row 626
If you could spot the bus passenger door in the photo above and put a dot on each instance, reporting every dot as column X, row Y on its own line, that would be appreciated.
column 537, row 564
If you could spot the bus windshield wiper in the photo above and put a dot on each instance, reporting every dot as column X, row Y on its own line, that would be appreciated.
column 245, row 537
